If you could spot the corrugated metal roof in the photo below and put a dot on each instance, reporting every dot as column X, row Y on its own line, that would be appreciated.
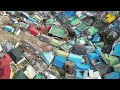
column 75, row 58
column 48, row 57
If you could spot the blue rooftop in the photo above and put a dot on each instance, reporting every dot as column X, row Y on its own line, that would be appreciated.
column 93, row 56
column 112, row 75
column 81, row 66
column 59, row 61
column 75, row 58
column 78, row 74
column 96, row 38
column 69, row 14
column 48, row 57
column 117, row 49
column 31, row 20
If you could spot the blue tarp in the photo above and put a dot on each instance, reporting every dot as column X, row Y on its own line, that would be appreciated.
column 59, row 61
column 69, row 14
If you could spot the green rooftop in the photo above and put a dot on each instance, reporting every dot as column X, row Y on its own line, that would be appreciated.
column 19, row 75
column 92, row 30
column 51, row 21
column 39, row 76
column 82, row 40
column 37, row 18
column 56, row 43
column 117, row 67
column 75, row 21
column 82, row 26
column 61, row 53
column 111, row 60
column 66, row 47
column 57, row 31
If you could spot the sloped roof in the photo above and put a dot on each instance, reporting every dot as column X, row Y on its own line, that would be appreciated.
column 15, row 54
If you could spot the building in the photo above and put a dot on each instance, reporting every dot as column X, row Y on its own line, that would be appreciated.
column 78, row 74
column 47, row 57
column 44, row 38
column 30, row 72
column 8, row 28
column 112, row 75
column 59, row 61
column 40, row 66
column 5, row 68
column 56, row 42
column 75, row 58
column 16, row 55
column 31, row 29
column 8, row 47
column 39, row 76
column 61, row 53
column 93, row 56
column 69, row 14
column 58, row 32
column 19, row 75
